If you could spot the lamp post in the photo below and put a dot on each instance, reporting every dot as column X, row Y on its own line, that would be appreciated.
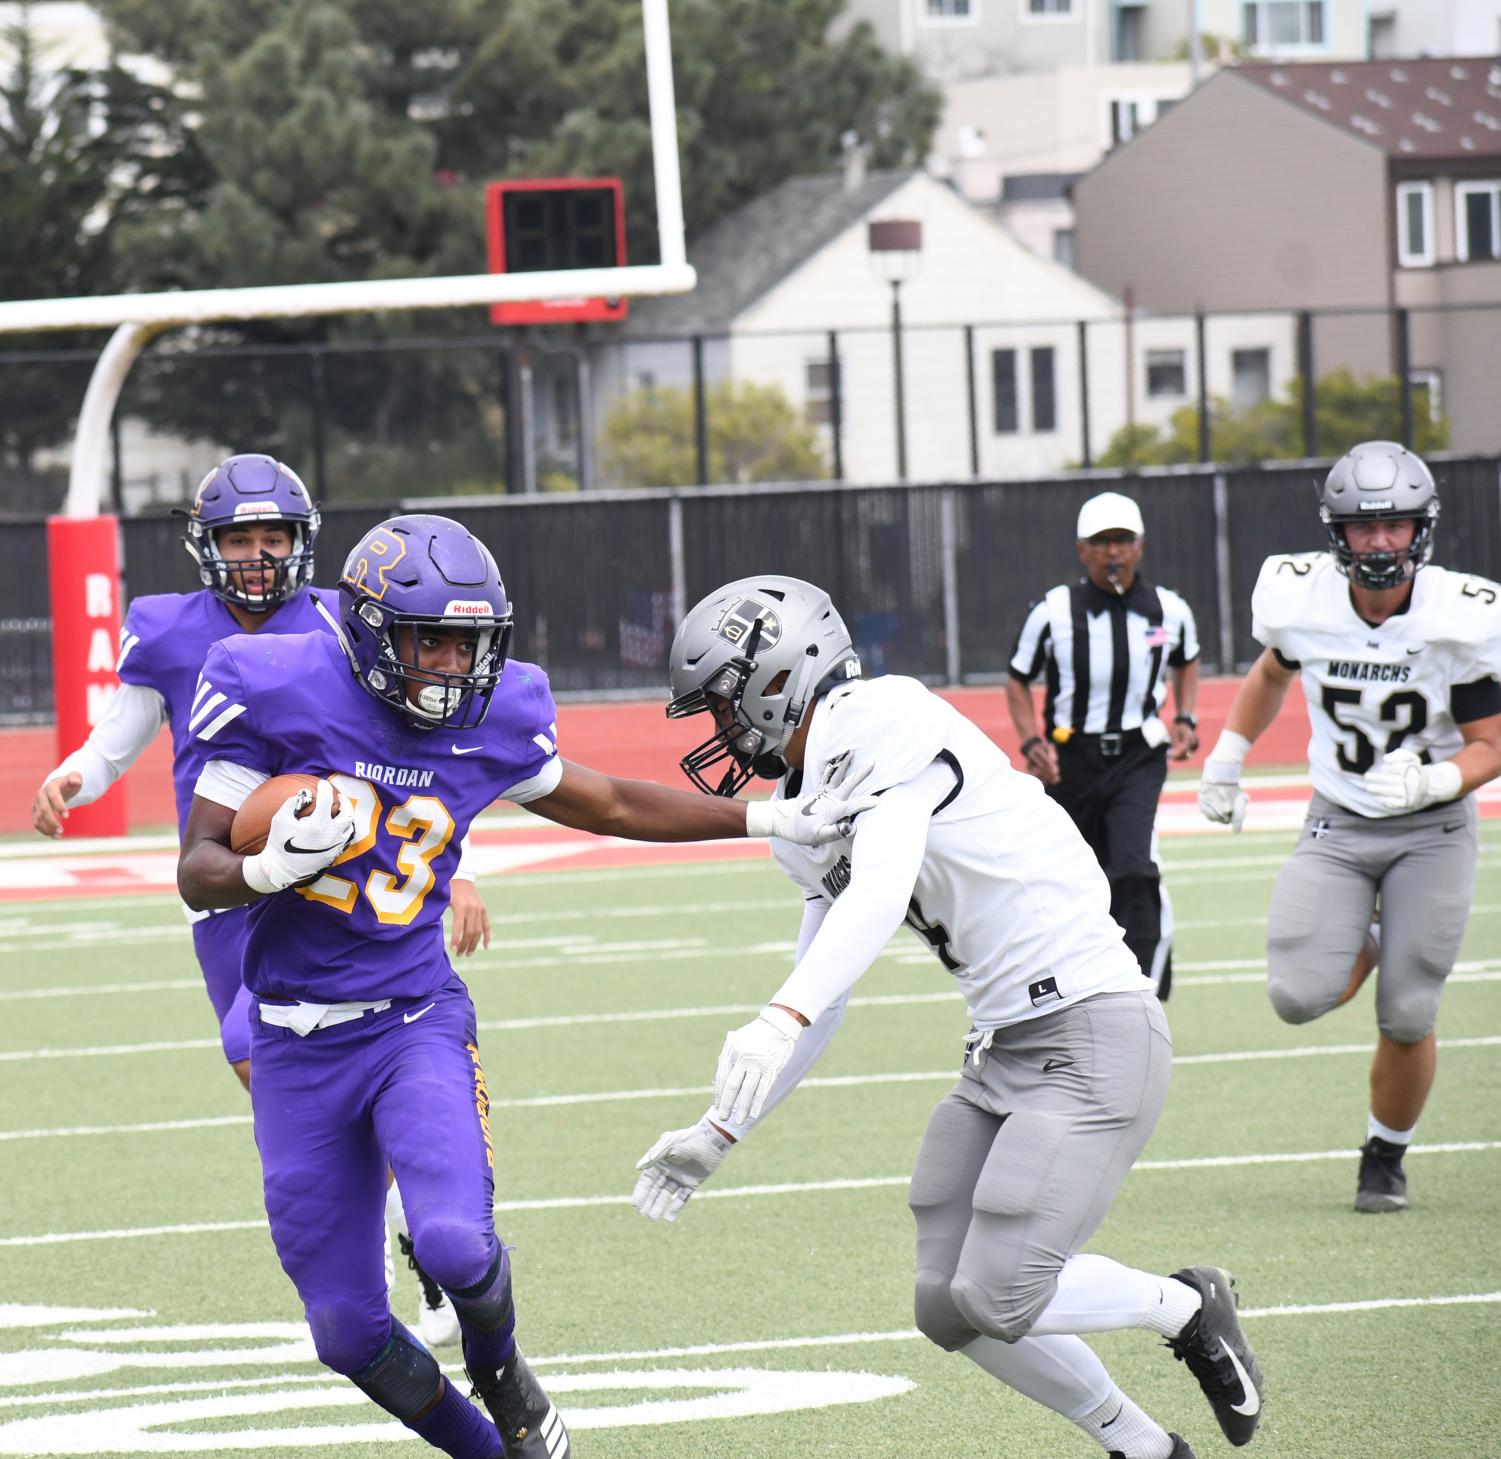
column 895, row 248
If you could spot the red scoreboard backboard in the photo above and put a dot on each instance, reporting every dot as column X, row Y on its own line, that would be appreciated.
column 543, row 224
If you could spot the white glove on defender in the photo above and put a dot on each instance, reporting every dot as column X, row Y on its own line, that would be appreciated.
column 1403, row 783
column 1221, row 799
column 675, row 1167
column 749, row 1063
column 812, row 820
column 300, row 849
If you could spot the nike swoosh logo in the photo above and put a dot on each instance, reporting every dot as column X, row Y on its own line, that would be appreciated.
column 413, row 1017
column 1459, row 827
column 1414, row 651
column 1250, row 1404
column 465, row 750
column 1052, row 1064
column 292, row 848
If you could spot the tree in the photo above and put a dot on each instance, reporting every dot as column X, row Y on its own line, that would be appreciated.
column 755, row 434
column 78, row 158
column 352, row 139
column 1347, row 409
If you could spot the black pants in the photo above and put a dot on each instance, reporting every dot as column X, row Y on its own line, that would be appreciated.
column 1113, row 802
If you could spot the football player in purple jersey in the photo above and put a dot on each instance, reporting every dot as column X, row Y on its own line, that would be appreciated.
column 251, row 530
column 364, row 1040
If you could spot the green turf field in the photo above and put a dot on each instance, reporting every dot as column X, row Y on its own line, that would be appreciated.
column 776, row 1318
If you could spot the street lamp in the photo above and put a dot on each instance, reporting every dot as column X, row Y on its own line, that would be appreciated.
column 895, row 248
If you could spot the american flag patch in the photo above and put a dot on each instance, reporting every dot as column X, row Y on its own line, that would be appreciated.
column 1156, row 636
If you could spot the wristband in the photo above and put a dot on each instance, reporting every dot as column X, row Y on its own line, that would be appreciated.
column 1190, row 720
column 255, row 876
column 1029, row 745
column 1445, row 781
column 758, row 819
column 1231, row 749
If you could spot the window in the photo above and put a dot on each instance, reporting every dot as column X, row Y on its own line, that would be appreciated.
column 1167, row 374
column 1063, row 247
column 1250, row 377
column 1003, row 388
column 1477, row 220
column 1047, row 9
column 818, row 390
column 1281, row 25
column 1125, row 118
column 1415, row 224
column 1427, row 393
column 1044, row 402
column 948, row 12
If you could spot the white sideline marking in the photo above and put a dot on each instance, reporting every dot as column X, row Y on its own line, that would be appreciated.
column 808, row 1187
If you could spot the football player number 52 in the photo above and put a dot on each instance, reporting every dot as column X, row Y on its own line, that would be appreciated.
column 1406, row 711
column 421, row 822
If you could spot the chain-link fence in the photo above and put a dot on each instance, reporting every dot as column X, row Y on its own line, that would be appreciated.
column 933, row 580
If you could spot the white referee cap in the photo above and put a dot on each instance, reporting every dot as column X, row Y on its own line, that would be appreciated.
column 1109, row 512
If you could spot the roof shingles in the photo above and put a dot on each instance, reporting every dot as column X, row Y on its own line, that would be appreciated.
column 1433, row 109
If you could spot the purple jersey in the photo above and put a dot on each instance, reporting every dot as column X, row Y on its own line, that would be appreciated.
column 163, row 644
column 372, row 926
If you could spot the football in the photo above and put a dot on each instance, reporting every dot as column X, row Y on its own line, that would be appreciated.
column 252, row 823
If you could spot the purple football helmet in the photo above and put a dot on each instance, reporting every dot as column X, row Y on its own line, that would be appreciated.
column 418, row 572
column 239, row 492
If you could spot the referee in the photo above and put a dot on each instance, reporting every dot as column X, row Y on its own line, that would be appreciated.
column 1108, row 644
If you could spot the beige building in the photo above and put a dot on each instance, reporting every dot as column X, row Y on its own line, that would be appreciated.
column 1366, row 188
column 956, row 39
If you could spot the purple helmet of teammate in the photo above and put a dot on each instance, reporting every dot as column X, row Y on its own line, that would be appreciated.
column 415, row 573
column 243, row 491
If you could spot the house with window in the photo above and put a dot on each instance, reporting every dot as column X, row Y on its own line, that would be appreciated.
column 1353, row 190
column 957, row 39
column 1007, row 360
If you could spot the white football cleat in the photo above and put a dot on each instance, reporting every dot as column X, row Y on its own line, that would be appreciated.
column 437, row 1322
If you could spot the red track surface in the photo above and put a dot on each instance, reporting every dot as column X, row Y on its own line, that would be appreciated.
column 632, row 739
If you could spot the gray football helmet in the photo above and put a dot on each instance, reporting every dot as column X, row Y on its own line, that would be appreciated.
column 766, row 646
column 1373, row 480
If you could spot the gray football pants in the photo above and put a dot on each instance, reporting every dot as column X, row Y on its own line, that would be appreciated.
column 1422, row 867
column 1023, row 1157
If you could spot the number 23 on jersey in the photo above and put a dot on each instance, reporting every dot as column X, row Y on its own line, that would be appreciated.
column 424, row 827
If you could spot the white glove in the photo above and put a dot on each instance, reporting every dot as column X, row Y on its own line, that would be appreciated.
column 301, row 848
column 675, row 1167
column 1402, row 782
column 749, row 1063
column 1221, row 799
column 812, row 820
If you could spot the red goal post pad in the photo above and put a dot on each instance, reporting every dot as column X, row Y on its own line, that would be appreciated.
column 83, row 560
column 553, row 224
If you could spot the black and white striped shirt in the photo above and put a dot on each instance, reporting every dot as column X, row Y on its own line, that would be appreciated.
column 1106, row 655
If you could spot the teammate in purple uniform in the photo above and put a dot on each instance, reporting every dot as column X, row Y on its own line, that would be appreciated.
column 252, row 529
column 364, row 1038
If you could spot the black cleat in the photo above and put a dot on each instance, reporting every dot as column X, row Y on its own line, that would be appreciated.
column 1383, row 1183
column 1180, row 1449
column 530, row 1427
column 1218, row 1355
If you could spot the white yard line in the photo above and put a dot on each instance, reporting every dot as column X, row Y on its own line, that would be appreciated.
column 729, row 1193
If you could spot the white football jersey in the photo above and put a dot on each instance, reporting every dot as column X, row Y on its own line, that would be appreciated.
column 1010, row 898
column 1374, row 690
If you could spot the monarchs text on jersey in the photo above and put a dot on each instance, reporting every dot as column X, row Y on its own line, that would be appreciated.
column 1009, row 898
column 1406, row 684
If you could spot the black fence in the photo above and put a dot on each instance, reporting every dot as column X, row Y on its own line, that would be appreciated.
column 536, row 411
column 933, row 580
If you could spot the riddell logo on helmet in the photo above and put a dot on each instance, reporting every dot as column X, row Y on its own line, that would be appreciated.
column 257, row 509
column 1378, row 506
column 468, row 608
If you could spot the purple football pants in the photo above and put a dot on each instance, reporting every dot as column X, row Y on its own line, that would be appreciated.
column 404, row 1085
column 219, row 941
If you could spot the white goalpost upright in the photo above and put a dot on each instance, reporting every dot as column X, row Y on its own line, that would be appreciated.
column 83, row 550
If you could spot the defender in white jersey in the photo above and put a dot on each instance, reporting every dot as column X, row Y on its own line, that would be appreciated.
column 1399, row 668
column 1066, row 1068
